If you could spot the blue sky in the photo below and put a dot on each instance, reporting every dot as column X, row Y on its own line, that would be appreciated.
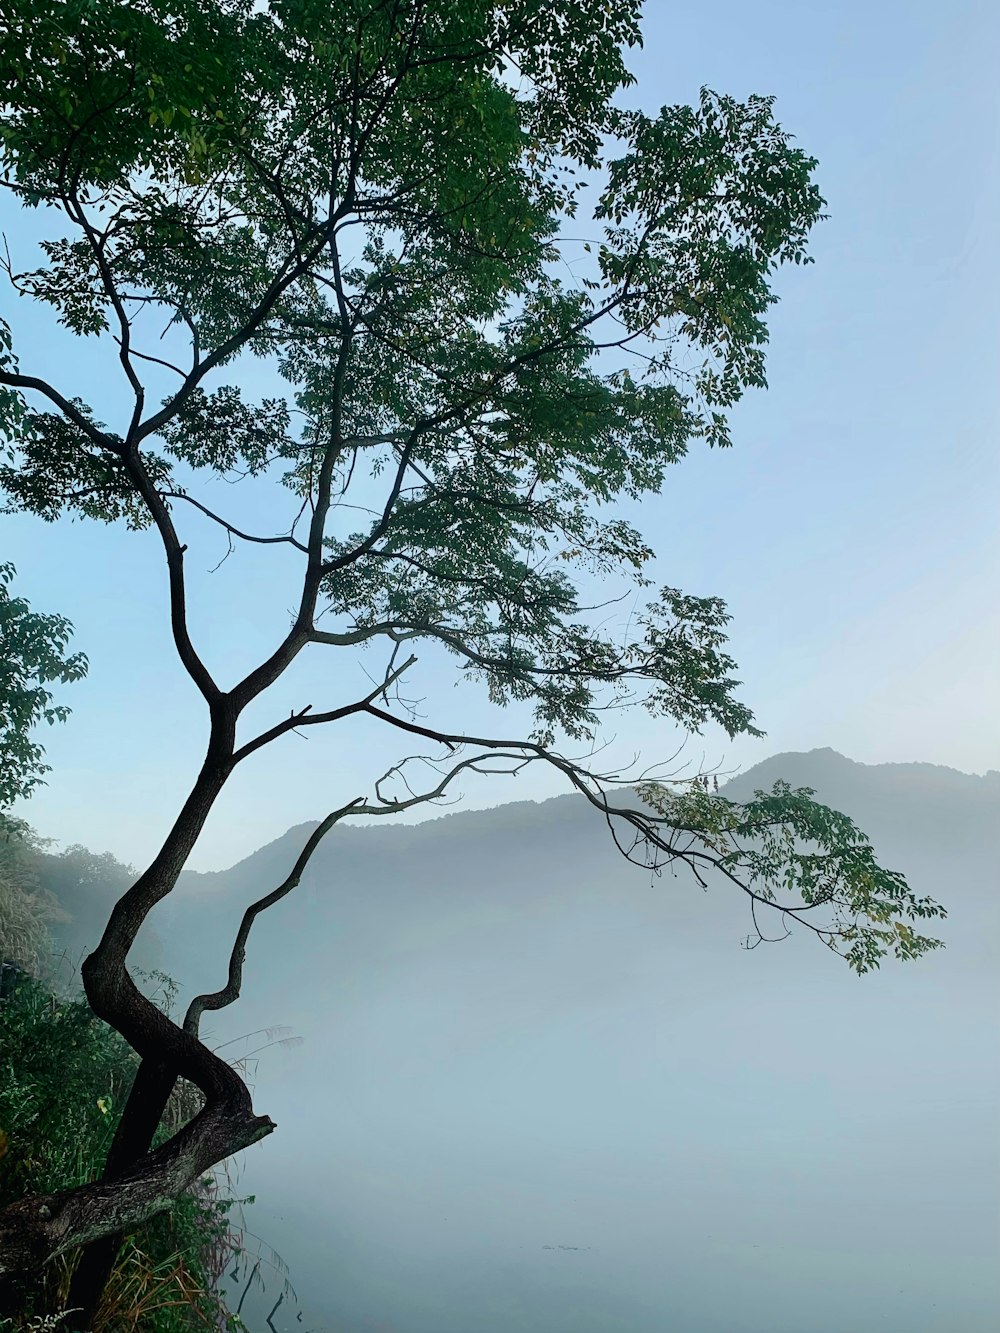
column 852, row 530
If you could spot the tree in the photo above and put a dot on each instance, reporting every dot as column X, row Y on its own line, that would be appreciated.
column 32, row 654
column 27, row 908
column 55, row 904
column 371, row 198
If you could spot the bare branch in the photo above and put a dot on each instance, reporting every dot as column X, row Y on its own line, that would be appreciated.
column 156, row 361
column 245, row 536
column 646, row 825
column 230, row 992
column 306, row 718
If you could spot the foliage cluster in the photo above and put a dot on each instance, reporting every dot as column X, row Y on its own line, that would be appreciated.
column 32, row 654
column 784, row 841
column 27, row 910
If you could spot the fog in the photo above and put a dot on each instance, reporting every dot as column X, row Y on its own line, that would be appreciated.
column 538, row 1091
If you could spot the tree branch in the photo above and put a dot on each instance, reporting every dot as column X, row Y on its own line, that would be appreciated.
column 245, row 536
column 32, row 383
column 645, row 825
column 230, row 992
column 306, row 718
column 76, row 212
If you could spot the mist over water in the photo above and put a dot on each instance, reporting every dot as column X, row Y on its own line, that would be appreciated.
column 538, row 1092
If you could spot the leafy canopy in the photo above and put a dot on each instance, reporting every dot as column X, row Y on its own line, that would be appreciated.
column 372, row 198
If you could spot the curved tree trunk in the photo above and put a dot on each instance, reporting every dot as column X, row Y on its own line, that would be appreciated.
column 150, row 1092
column 137, row 1184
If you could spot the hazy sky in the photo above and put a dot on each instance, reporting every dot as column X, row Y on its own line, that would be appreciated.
column 852, row 530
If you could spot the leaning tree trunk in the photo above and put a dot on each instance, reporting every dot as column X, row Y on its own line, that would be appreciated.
column 137, row 1184
column 37, row 1229
column 151, row 1090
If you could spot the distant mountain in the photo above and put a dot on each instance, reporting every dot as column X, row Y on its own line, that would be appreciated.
column 891, row 796
column 538, row 1088
column 389, row 887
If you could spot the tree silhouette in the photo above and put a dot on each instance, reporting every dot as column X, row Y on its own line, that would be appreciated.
column 371, row 199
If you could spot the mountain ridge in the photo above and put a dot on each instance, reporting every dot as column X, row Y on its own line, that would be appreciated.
column 536, row 863
column 825, row 762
